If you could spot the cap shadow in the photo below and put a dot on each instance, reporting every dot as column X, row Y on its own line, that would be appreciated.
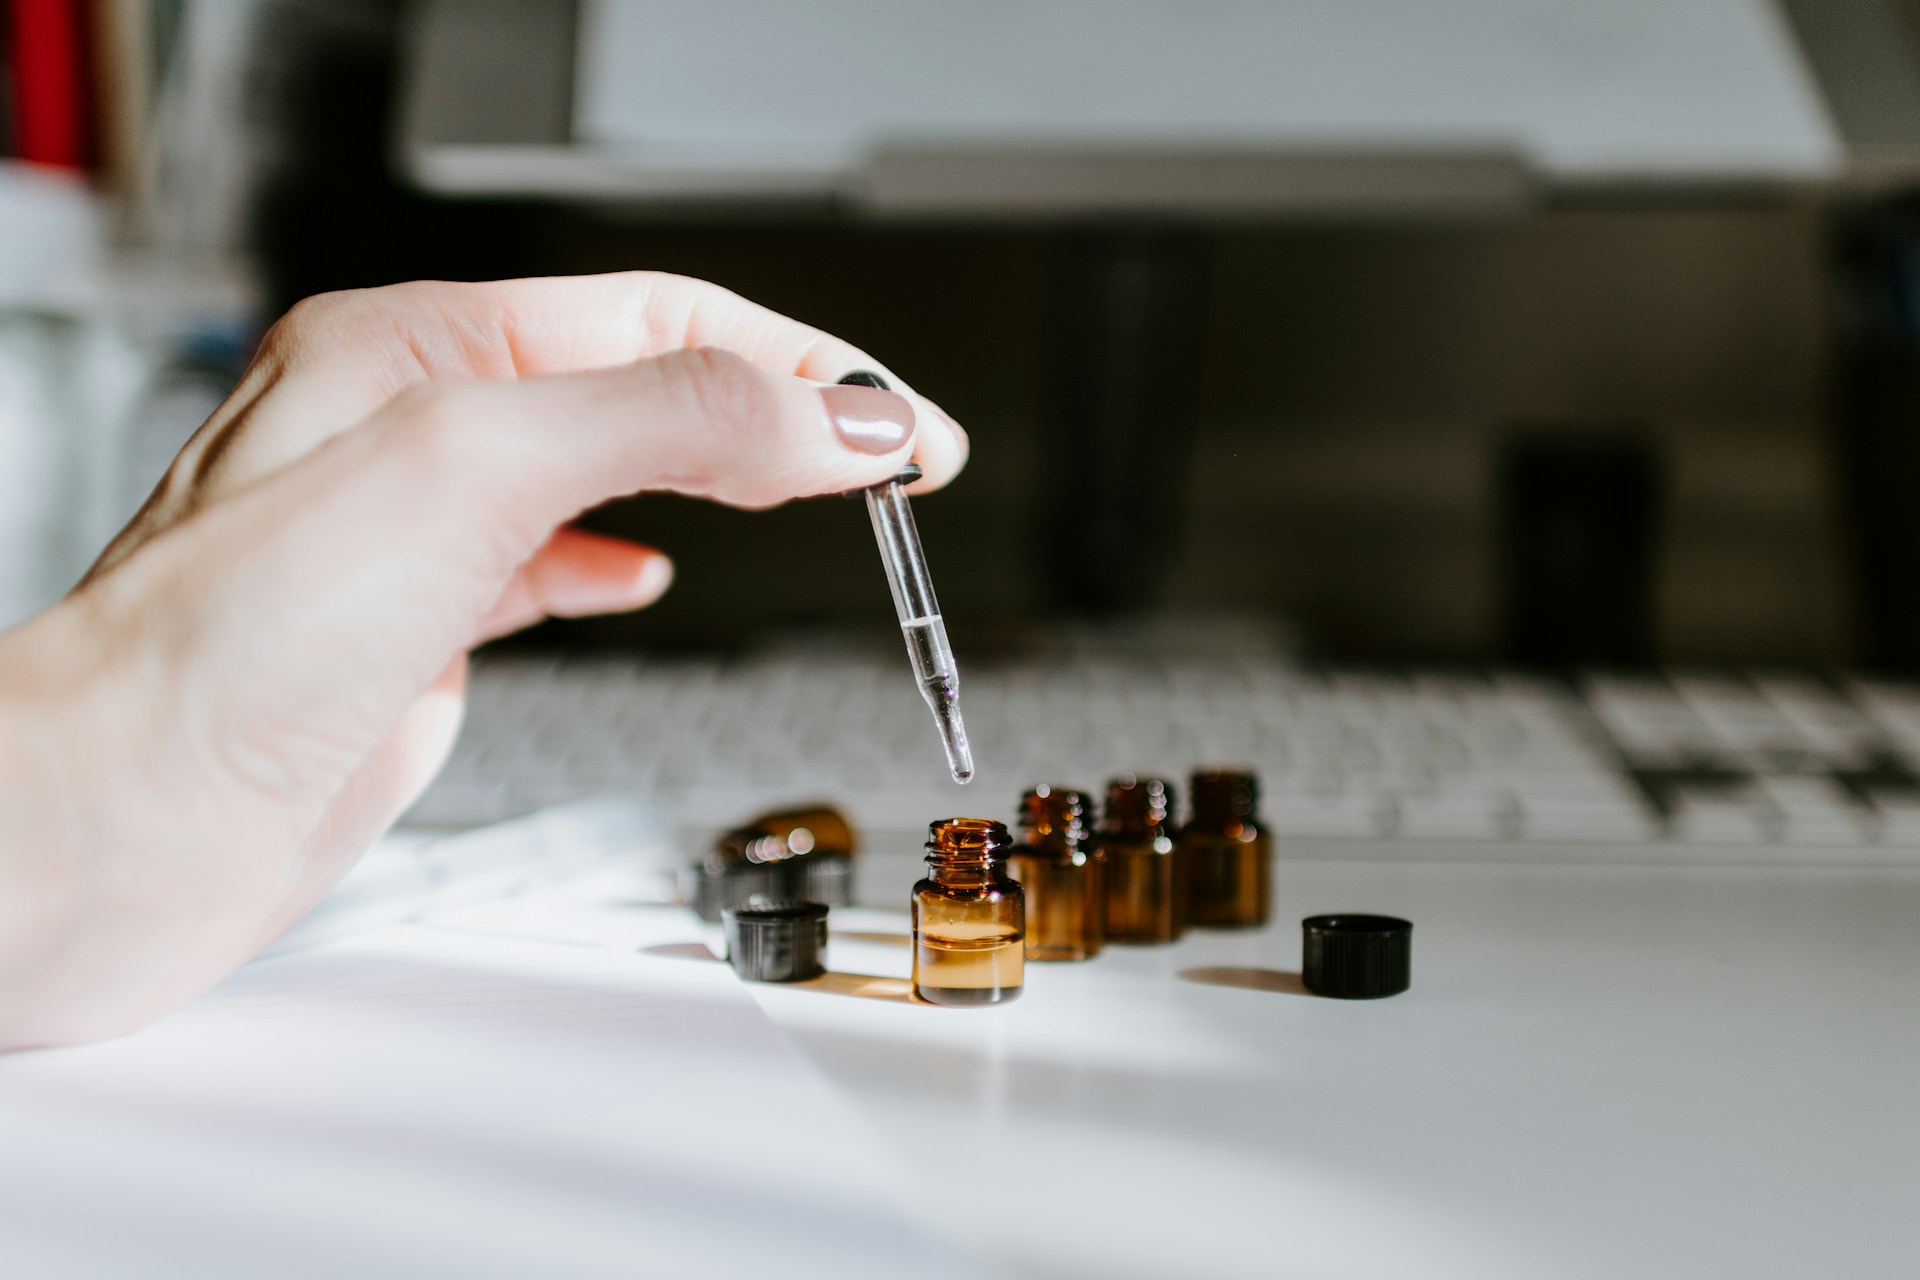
column 680, row 951
column 1248, row 978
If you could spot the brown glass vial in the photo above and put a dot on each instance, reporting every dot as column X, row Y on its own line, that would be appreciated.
column 969, row 918
column 1056, row 863
column 1229, row 877
column 814, row 846
column 804, row 853
column 807, row 829
column 1140, row 861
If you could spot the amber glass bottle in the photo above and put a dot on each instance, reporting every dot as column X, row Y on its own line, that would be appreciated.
column 808, row 830
column 1062, row 874
column 969, row 918
column 804, row 853
column 1229, row 880
column 1140, row 858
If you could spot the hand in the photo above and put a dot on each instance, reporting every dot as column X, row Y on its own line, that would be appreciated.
column 267, row 665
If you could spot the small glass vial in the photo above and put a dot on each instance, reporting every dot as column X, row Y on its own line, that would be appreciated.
column 969, row 918
column 803, row 854
column 1140, row 857
column 1062, row 874
column 1229, row 878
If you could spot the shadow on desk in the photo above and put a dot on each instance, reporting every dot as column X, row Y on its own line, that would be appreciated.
column 864, row 986
column 680, row 951
column 1280, row 981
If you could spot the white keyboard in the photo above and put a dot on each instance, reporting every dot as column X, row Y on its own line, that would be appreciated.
column 1688, row 767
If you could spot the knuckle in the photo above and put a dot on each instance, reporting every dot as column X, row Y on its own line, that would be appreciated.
column 319, row 315
column 726, row 393
column 315, row 313
column 444, row 432
column 671, row 285
column 434, row 417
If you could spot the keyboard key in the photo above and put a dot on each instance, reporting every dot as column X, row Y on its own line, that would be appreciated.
column 1367, row 756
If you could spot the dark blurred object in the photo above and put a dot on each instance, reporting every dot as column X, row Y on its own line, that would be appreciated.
column 1878, row 369
column 333, row 215
column 1349, row 365
column 776, row 940
column 1580, row 516
column 1129, row 318
column 804, row 853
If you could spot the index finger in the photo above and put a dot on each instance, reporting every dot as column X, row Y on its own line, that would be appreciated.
column 561, row 325
column 336, row 359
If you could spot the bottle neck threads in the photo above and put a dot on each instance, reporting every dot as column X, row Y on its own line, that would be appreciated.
column 1223, row 797
column 1055, row 819
column 1138, row 808
column 967, row 851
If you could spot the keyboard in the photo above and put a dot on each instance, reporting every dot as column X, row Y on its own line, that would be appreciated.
column 1701, row 766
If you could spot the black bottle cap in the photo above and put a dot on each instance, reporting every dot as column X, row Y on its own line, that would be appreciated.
column 776, row 940
column 820, row 877
column 1354, row 957
column 717, row 886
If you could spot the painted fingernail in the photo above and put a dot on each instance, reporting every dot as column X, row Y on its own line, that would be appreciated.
column 655, row 576
column 869, row 420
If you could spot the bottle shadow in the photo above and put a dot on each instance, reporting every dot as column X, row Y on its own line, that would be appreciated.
column 884, row 939
column 861, row 986
column 1247, row 978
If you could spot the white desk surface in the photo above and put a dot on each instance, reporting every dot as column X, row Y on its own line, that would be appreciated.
column 1599, row 1071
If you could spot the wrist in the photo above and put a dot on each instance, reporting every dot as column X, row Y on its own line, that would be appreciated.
column 56, row 752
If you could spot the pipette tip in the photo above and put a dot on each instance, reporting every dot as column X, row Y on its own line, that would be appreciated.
column 944, row 697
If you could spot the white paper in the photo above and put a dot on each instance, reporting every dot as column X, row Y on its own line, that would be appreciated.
column 410, row 874
column 424, row 1102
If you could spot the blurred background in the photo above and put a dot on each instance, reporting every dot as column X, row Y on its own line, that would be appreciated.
column 1471, row 331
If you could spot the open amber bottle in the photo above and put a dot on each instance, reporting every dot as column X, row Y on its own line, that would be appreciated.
column 1140, row 861
column 969, row 918
column 1062, row 874
column 1228, row 874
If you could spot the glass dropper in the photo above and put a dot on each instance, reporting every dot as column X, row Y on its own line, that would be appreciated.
column 913, row 601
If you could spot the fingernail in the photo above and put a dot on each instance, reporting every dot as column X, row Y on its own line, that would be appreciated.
column 869, row 420
column 656, row 575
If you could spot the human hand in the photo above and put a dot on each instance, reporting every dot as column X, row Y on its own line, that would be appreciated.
column 266, row 667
